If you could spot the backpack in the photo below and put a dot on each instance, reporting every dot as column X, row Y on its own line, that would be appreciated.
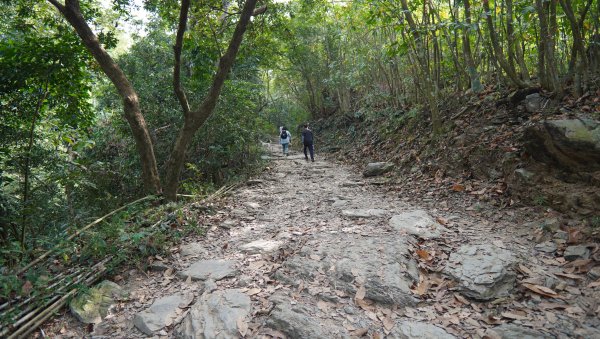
column 284, row 134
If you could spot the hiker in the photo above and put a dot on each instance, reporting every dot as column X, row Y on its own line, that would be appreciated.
column 284, row 139
column 308, row 142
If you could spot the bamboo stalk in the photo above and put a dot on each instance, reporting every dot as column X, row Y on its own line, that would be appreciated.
column 78, row 232
column 48, row 311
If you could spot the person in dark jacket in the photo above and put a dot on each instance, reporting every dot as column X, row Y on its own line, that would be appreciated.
column 308, row 142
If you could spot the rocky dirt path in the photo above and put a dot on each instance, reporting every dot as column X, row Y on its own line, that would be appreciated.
column 314, row 250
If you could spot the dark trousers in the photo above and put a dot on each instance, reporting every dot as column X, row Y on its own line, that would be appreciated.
column 311, row 149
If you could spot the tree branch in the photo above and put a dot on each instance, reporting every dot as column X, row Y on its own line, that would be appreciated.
column 179, row 92
column 225, row 64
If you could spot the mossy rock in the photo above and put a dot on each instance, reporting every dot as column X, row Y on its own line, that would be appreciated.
column 91, row 306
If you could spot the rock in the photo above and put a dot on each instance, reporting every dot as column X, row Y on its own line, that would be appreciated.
column 296, row 321
column 205, row 269
column 546, row 247
column 418, row 330
column 533, row 102
column 352, row 183
column 417, row 223
column 339, row 203
column 594, row 273
column 162, row 312
column 562, row 235
column 215, row 315
column 524, row 174
column 227, row 224
column 91, row 306
column 570, row 144
column 383, row 264
column 377, row 168
column 261, row 246
column 192, row 249
column 576, row 252
column 158, row 266
column 551, row 224
column 252, row 205
column 364, row 213
column 483, row 272
column 509, row 331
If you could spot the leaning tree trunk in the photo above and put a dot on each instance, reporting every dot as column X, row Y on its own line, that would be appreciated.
column 72, row 12
column 195, row 119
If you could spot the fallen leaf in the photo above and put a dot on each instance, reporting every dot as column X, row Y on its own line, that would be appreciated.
column 323, row 306
column 388, row 323
column 461, row 299
column 442, row 221
column 242, row 326
column 423, row 254
column 511, row 315
column 458, row 187
column 594, row 284
column 253, row 291
column 169, row 272
column 423, row 285
column 570, row 276
column 376, row 336
column 360, row 293
column 359, row 332
column 542, row 290
column 315, row 257
column 27, row 287
column 523, row 269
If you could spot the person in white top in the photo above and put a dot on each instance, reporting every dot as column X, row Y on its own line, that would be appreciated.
column 284, row 139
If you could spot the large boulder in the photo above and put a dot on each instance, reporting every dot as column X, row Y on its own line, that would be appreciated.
column 570, row 144
column 215, row 315
column 382, row 264
column 483, row 272
column 377, row 168
column 93, row 305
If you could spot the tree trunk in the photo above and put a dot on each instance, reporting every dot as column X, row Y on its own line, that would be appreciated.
column 195, row 119
column 497, row 49
column 578, row 52
column 72, row 12
column 476, row 86
column 423, row 71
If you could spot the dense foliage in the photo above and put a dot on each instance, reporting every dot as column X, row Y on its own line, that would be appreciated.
column 67, row 152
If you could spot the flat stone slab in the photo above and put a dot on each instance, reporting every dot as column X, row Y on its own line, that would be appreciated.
column 483, row 272
column 93, row 305
column 215, row 315
column 516, row 331
column 418, row 223
column 192, row 249
column 162, row 313
column 383, row 265
column 261, row 246
column 213, row 269
column 297, row 321
column 546, row 247
column 418, row 330
column 364, row 213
